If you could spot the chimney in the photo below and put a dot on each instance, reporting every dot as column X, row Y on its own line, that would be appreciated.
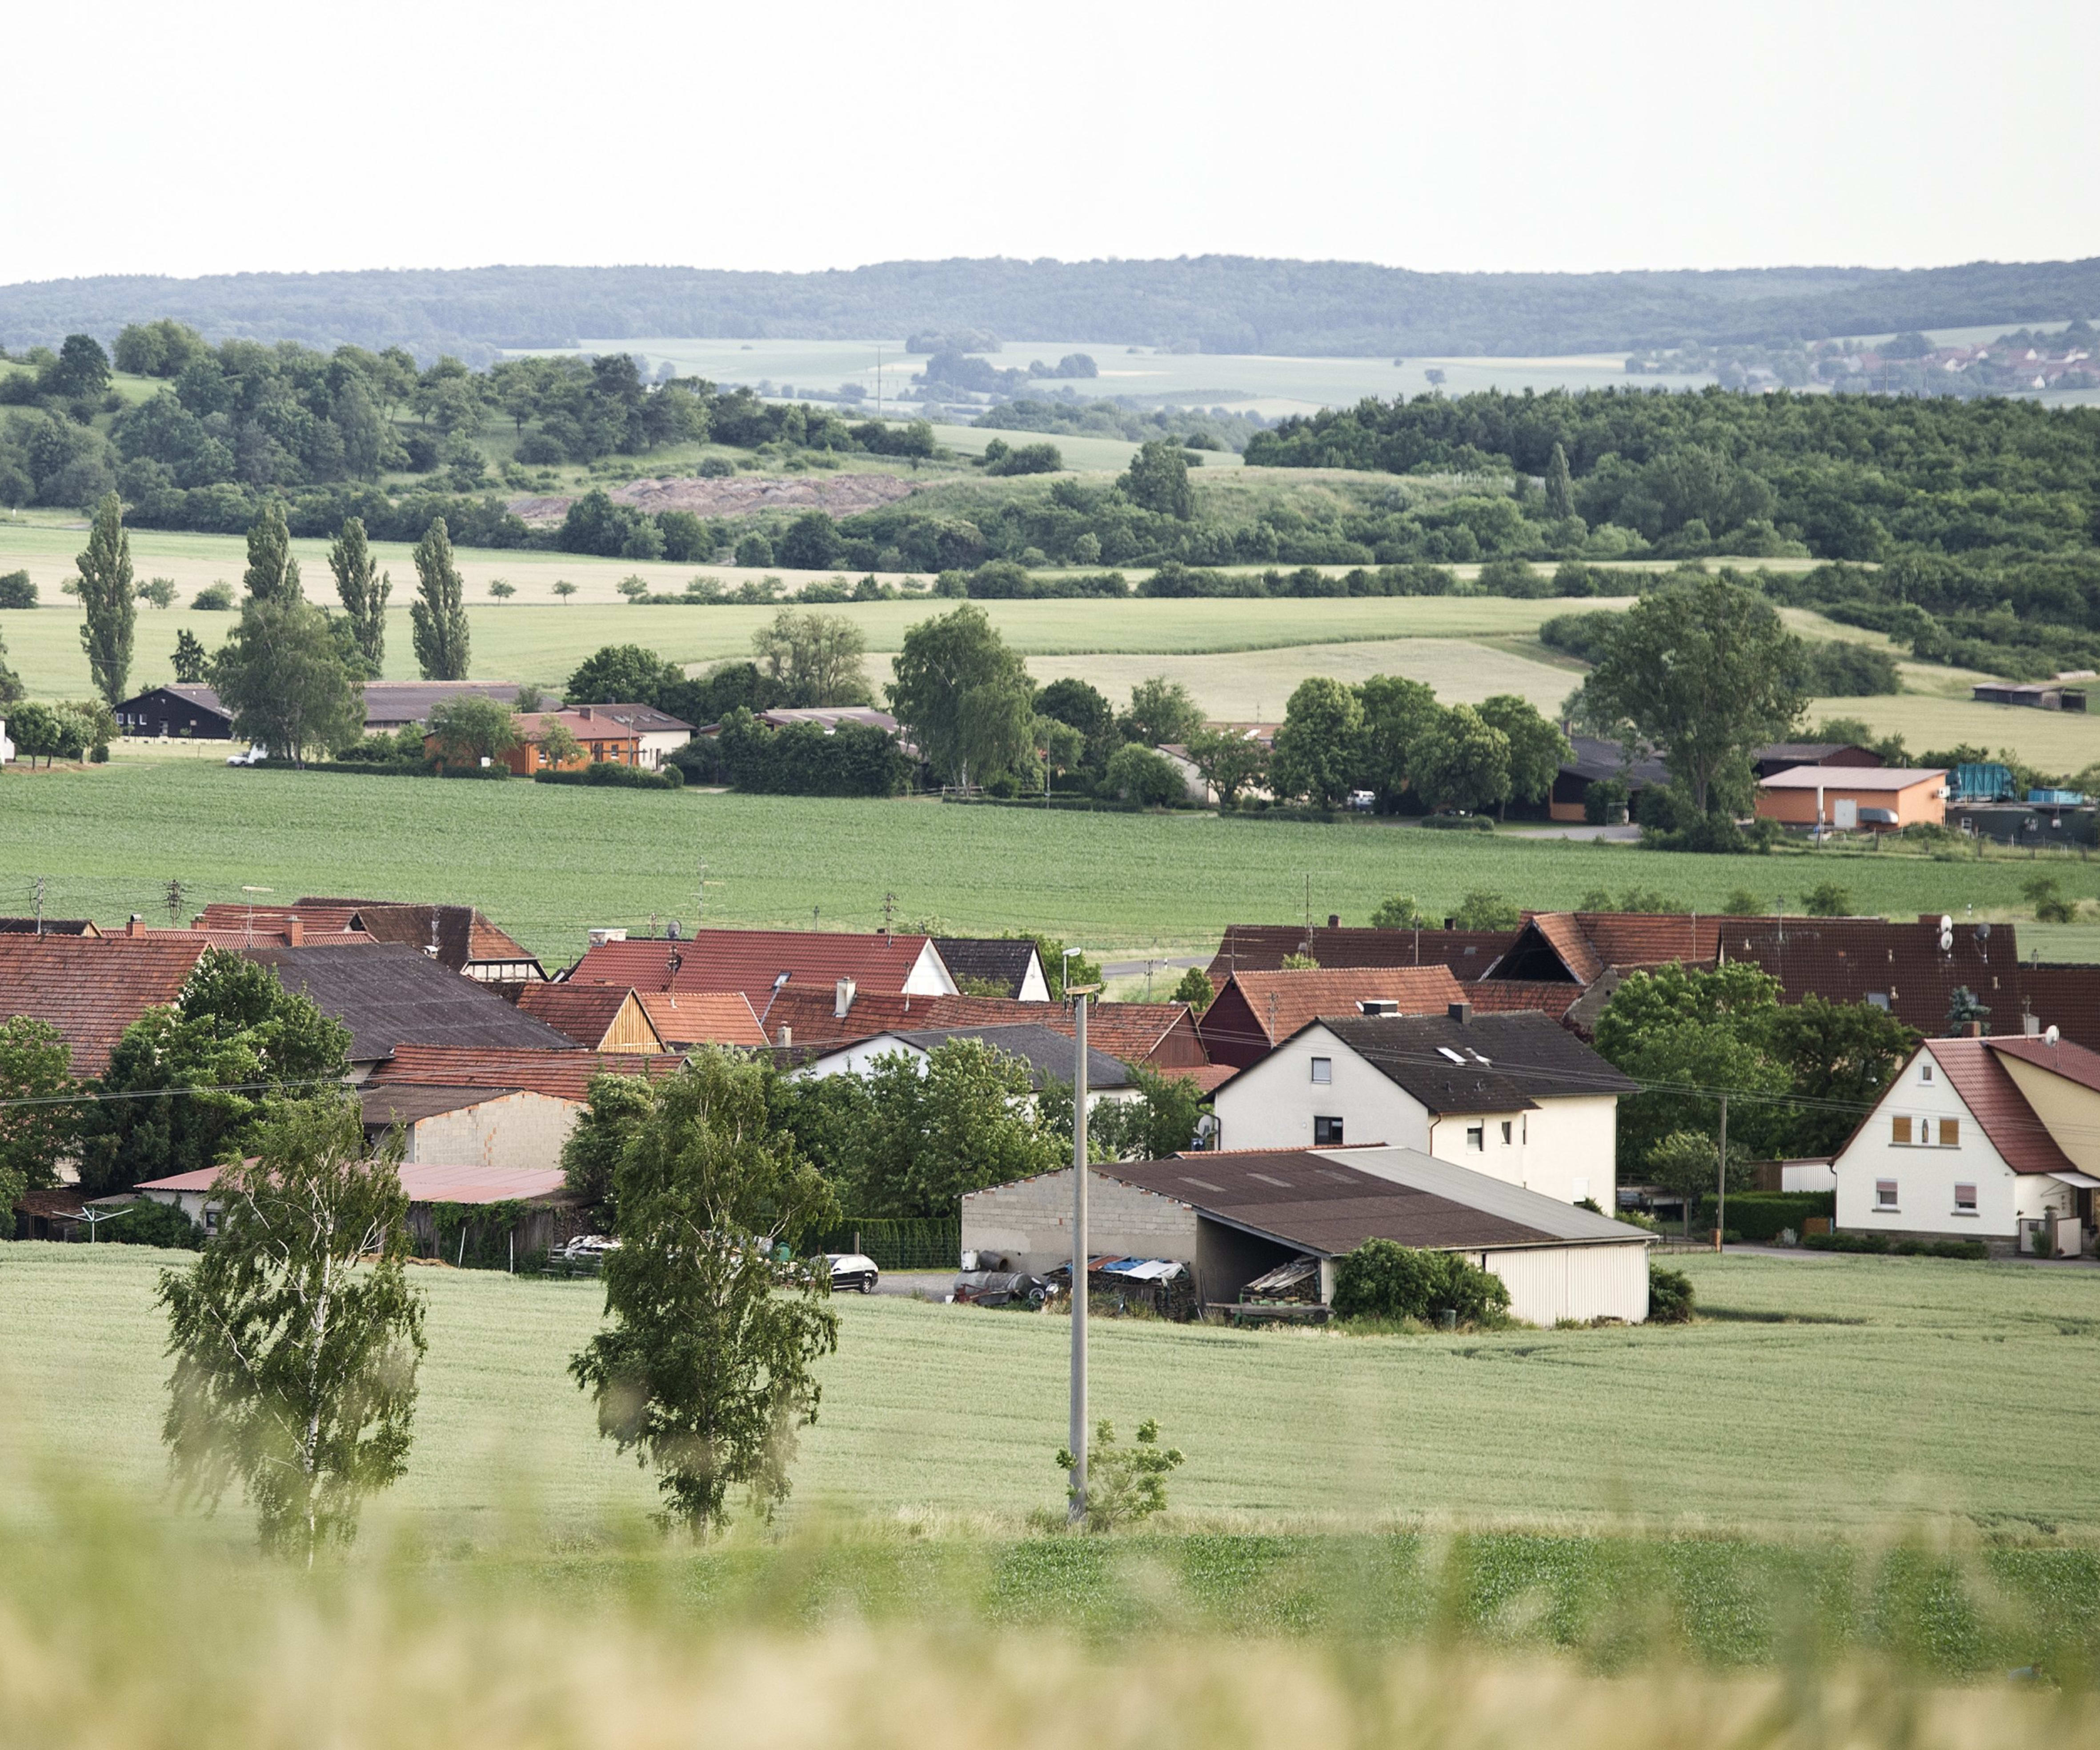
column 842, row 999
column 2031, row 1025
column 1461, row 1012
column 136, row 927
column 1973, row 1030
column 1334, row 920
column 786, row 1035
column 1378, row 1005
column 295, row 931
column 585, row 712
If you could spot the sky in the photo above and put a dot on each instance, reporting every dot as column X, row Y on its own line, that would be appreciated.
column 225, row 135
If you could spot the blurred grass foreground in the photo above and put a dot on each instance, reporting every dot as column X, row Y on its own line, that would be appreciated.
column 120, row 1629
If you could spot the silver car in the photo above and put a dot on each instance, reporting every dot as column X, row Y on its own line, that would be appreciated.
column 852, row 1270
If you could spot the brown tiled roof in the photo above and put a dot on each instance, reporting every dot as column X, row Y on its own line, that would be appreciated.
column 1851, row 959
column 585, row 1012
column 683, row 1018
column 565, row 1075
column 1505, row 996
column 2074, row 1063
column 1263, row 947
column 1131, row 1031
column 2067, row 998
column 1260, row 1009
column 1630, row 939
column 1994, row 1099
column 751, row 960
column 91, row 988
column 1565, row 937
column 465, row 936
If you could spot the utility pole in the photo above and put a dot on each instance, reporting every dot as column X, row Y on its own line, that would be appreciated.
column 251, row 892
column 38, row 889
column 700, row 896
column 1721, row 1189
column 1076, row 1439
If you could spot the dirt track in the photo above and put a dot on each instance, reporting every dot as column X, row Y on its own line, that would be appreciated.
column 840, row 494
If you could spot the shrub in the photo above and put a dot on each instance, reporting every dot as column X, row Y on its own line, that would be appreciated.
column 17, row 591
column 1759, row 1216
column 1669, row 1296
column 1828, row 899
column 1124, row 1483
column 149, row 1223
column 608, row 774
column 214, row 598
column 1457, row 823
column 1481, row 910
column 1970, row 1251
column 1384, row 1280
column 1604, row 802
column 1137, row 774
column 1399, row 912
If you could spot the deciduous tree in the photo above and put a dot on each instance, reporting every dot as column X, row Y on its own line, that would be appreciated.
column 1158, row 480
column 437, row 616
column 1161, row 711
column 1319, row 749
column 286, row 674
column 814, row 659
column 472, row 728
column 272, row 573
column 364, row 589
column 1537, row 747
column 40, row 1111
column 1230, row 762
column 109, row 600
column 295, row 1336
column 704, row 1370
column 1462, row 762
column 962, row 697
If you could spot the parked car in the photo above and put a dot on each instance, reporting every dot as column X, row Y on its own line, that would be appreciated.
column 254, row 756
column 852, row 1270
column 1363, row 801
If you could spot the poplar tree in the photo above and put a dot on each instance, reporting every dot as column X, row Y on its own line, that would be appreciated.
column 1560, row 490
column 272, row 572
column 439, row 617
column 109, row 599
column 364, row 589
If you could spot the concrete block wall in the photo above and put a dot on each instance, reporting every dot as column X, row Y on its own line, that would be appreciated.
column 1029, row 1222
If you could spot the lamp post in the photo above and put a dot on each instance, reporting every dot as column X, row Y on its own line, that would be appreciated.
column 1077, row 1438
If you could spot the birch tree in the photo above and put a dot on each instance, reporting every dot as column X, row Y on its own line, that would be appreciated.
column 295, row 1336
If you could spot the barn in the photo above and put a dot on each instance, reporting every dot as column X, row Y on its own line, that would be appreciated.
column 1237, row 1218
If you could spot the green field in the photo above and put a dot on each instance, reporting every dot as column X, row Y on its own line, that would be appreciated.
column 548, row 861
column 1865, row 1394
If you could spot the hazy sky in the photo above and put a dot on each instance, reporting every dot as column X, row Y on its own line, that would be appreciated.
column 224, row 135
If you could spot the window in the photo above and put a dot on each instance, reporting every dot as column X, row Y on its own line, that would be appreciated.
column 1477, row 1136
column 1900, row 1129
column 1509, row 1129
column 1326, row 1133
column 1884, row 1193
column 1950, row 1133
column 1924, row 1072
column 1965, row 1200
column 1323, row 1071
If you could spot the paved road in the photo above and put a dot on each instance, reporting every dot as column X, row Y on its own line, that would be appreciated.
column 1136, row 968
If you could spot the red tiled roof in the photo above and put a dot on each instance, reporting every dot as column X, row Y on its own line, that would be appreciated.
column 1994, row 1099
column 1277, row 1004
column 91, row 988
column 2074, row 1063
column 1503, row 996
column 751, row 960
column 425, row 1182
column 315, row 920
column 1564, row 933
column 1641, row 938
column 1210, row 1077
column 585, row 1012
column 563, row 1075
column 683, row 1018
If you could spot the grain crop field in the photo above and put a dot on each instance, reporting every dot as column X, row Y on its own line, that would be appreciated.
column 1820, row 1391
column 546, row 860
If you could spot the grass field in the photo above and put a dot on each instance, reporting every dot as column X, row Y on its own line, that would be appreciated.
column 547, row 861
column 1868, row 1394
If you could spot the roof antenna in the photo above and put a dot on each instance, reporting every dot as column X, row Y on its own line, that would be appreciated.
column 779, row 985
column 432, row 950
column 251, row 892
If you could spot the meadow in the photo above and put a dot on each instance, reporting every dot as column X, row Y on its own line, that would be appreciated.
column 1818, row 1394
column 548, row 861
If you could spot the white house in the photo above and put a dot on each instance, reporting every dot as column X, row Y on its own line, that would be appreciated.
column 1233, row 1218
column 1047, row 1052
column 1996, row 1139
column 1514, row 1095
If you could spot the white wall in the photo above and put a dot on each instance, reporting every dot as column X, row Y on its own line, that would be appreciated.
column 1552, row 1282
column 1564, row 1149
column 1272, row 1104
column 1029, row 1222
column 511, row 1130
column 929, row 976
column 1925, row 1176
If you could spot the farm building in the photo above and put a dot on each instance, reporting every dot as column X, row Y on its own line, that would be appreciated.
column 1257, row 1011
column 1846, row 799
column 494, row 1127
column 176, row 711
column 1234, row 1218
column 550, row 1216
column 1996, row 1139
column 390, row 995
column 2051, row 695
column 392, row 706
column 1517, row 1097
column 598, row 1017
column 561, row 1074
column 1594, row 761
column 1780, row 756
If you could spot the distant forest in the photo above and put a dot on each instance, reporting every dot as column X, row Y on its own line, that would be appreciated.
column 1218, row 304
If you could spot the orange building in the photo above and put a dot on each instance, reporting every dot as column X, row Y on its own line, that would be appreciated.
column 1846, row 799
column 598, row 736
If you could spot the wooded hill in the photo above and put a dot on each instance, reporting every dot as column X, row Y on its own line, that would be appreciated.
column 1211, row 303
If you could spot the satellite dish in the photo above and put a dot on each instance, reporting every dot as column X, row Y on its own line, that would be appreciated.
column 1946, row 923
column 1983, row 932
column 2051, row 1037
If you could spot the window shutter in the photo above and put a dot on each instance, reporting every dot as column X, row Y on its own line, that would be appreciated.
column 1950, row 1133
column 1900, row 1129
